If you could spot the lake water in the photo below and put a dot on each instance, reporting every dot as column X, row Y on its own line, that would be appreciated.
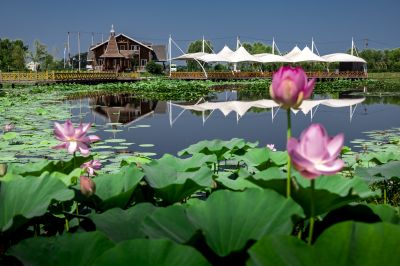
column 145, row 125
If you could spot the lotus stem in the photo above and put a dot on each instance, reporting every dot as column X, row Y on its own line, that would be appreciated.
column 312, row 216
column 288, row 134
column 385, row 193
column 66, row 219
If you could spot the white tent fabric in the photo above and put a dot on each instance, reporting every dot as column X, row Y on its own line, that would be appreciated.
column 213, row 58
column 296, row 50
column 342, row 57
column 225, row 52
column 272, row 58
column 305, row 56
column 241, row 107
column 190, row 56
column 241, row 55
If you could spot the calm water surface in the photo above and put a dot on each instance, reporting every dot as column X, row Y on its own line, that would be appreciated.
column 141, row 121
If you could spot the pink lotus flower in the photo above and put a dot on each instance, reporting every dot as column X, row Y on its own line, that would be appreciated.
column 290, row 87
column 316, row 153
column 8, row 127
column 271, row 147
column 91, row 166
column 74, row 139
column 88, row 187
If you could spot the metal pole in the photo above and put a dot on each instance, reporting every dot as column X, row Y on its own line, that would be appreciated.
column 273, row 45
column 352, row 46
column 202, row 45
column 69, row 52
column 169, row 54
column 79, row 51
column 65, row 48
column 312, row 45
column 92, row 38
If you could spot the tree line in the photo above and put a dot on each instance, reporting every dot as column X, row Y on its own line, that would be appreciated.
column 15, row 54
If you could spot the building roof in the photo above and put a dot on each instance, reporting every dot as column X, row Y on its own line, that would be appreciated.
column 121, row 34
column 112, row 50
column 160, row 52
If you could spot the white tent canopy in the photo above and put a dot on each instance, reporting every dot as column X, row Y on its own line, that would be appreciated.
column 271, row 58
column 306, row 55
column 296, row 50
column 241, row 55
column 225, row 52
column 208, row 58
column 342, row 57
column 190, row 56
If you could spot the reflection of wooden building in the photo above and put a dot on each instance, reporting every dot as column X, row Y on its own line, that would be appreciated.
column 125, row 109
column 122, row 53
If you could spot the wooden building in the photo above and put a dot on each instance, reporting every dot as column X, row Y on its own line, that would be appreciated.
column 123, row 53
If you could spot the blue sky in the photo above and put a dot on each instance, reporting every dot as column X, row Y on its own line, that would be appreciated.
column 331, row 23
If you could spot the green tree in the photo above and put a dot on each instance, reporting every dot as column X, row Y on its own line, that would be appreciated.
column 154, row 68
column 195, row 47
column 12, row 55
column 40, row 54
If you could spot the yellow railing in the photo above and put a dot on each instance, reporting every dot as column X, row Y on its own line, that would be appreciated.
column 64, row 76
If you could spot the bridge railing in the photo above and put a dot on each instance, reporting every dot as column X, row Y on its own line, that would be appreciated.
column 64, row 76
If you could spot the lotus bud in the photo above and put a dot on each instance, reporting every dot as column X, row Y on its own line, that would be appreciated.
column 88, row 187
column 290, row 87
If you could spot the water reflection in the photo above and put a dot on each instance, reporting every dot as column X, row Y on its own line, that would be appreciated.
column 124, row 108
column 148, row 121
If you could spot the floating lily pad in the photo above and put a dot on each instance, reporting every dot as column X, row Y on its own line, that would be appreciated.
column 146, row 145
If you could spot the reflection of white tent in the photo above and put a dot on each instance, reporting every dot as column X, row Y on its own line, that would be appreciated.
column 306, row 55
column 341, row 57
column 271, row 58
column 241, row 107
column 241, row 55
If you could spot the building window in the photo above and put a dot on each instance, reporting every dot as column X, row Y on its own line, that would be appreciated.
column 122, row 47
column 143, row 62
column 135, row 47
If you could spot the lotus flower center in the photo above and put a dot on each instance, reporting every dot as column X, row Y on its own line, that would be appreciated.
column 287, row 88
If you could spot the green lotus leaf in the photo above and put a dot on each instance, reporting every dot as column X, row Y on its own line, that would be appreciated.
column 172, row 185
column 330, row 192
column 170, row 222
column 386, row 213
column 239, row 183
column 29, row 197
column 229, row 220
column 380, row 172
column 192, row 163
column 115, row 190
column 10, row 135
column 68, row 249
column 346, row 243
column 146, row 252
column 222, row 149
column 121, row 225
column 257, row 158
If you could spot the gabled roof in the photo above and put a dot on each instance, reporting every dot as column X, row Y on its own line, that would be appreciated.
column 160, row 52
column 112, row 50
column 121, row 34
